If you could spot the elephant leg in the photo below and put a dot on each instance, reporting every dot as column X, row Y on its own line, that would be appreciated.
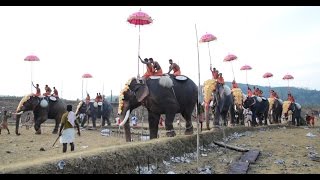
column 153, row 124
column 37, row 128
column 108, row 121
column 103, row 121
column 189, row 126
column 169, row 125
column 56, row 127
column 94, row 122
column 254, row 122
column 84, row 120
column 216, row 117
column 298, row 120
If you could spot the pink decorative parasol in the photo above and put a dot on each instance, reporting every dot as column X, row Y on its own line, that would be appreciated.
column 31, row 58
column 139, row 18
column 85, row 76
column 230, row 58
column 268, row 75
column 208, row 38
column 246, row 68
column 288, row 77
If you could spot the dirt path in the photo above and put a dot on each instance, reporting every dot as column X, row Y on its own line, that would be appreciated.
column 282, row 150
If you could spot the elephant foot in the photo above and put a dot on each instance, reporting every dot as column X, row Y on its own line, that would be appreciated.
column 38, row 131
column 171, row 133
column 208, row 127
column 55, row 131
column 189, row 131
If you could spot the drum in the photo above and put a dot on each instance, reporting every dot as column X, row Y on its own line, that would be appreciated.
column 52, row 98
column 154, row 77
column 181, row 78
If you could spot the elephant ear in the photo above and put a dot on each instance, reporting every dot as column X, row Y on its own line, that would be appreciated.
column 142, row 92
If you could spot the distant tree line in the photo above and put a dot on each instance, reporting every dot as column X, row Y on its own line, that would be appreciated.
column 303, row 96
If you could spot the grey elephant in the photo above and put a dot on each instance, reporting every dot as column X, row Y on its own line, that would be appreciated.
column 259, row 107
column 160, row 95
column 275, row 109
column 43, row 108
column 222, row 101
column 95, row 110
column 295, row 108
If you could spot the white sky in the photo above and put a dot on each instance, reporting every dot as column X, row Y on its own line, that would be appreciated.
column 71, row 41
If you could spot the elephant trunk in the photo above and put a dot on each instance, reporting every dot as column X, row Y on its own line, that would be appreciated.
column 206, row 115
column 126, row 125
column 17, row 116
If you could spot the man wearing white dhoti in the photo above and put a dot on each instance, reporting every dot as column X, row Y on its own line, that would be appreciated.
column 68, row 121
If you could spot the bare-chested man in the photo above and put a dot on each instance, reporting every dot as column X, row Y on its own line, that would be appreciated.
column 175, row 67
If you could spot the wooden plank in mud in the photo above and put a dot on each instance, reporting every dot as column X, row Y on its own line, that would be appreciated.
column 250, row 156
column 239, row 167
column 222, row 144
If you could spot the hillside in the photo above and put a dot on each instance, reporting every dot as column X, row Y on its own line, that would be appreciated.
column 303, row 96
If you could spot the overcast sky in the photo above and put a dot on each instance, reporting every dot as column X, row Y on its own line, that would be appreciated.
column 71, row 41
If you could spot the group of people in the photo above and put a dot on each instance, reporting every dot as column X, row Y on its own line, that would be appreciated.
column 47, row 89
column 154, row 68
column 216, row 75
column 99, row 98
column 256, row 91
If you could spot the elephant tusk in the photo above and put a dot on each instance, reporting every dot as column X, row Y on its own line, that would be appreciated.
column 19, row 113
column 125, row 118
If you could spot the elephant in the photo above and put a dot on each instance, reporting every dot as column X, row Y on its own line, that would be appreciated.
column 167, row 94
column 295, row 108
column 275, row 109
column 93, row 110
column 43, row 107
column 238, row 97
column 259, row 107
column 222, row 100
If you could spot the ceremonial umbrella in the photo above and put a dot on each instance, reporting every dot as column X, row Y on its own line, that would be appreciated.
column 85, row 76
column 268, row 75
column 246, row 68
column 31, row 58
column 230, row 58
column 208, row 38
column 288, row 77
column 139, row 18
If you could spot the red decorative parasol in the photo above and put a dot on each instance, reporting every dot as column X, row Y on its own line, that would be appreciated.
column 230, row 58
column 246, row 68
column 31, row 58
column 288, row 77
column 208, row 38
column 85, row 76
column 139, row 18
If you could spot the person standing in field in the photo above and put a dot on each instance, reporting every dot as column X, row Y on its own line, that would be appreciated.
column 67, row 136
